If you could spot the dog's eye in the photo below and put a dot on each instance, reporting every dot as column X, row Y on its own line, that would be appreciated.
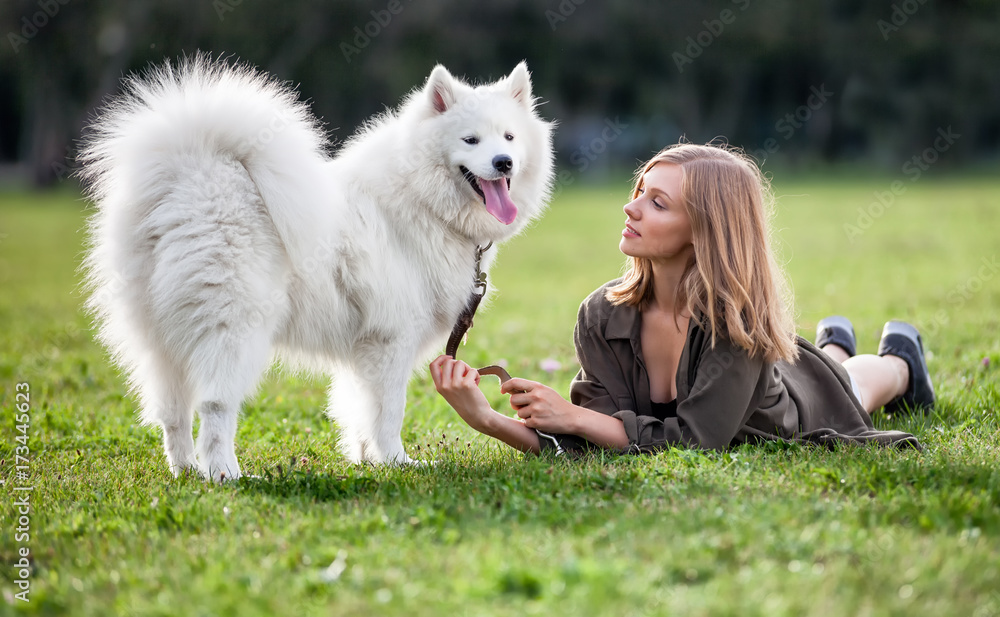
column 508, row 137
column 471, row 140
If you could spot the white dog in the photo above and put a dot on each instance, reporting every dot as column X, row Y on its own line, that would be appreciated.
column 224, row 233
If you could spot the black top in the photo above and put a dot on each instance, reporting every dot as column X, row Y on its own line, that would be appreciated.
column 662, row 411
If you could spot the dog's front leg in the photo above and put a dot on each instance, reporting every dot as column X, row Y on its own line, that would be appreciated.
column 368, row 402
column 387, row 442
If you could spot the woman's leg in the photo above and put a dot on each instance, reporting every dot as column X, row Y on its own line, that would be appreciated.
column 880, row 378
column 838, row 353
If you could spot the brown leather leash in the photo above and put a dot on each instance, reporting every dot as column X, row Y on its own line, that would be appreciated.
column 465, row 319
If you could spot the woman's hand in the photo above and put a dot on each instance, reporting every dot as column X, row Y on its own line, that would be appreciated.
column 458, row 383
column 540, row 407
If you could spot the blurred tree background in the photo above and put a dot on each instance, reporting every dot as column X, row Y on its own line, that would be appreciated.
column 798, row 82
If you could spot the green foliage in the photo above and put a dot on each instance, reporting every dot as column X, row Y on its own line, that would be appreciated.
column 801, row 82
column 779, row 529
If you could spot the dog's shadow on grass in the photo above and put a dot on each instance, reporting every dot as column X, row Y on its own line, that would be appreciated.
column 296, row 483
column 367, row 481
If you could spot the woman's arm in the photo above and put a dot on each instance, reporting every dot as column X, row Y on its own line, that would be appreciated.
column 512, row 432
column 538, row 407
column 543, row 409
column 458, row 383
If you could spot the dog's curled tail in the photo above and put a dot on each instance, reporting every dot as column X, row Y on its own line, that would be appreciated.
column 158, row 142
column 199, row 107
column 175, row 117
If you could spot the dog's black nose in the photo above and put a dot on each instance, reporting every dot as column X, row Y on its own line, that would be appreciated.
column 503, row 163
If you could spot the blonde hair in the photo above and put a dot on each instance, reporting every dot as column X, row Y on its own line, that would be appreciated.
column 733, row 279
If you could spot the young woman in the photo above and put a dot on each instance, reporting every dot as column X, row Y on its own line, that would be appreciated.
column 695, row 345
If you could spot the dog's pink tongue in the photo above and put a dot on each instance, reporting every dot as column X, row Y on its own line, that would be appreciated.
column 498, row 201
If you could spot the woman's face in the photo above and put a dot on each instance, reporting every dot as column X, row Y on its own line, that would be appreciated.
column 658, row 227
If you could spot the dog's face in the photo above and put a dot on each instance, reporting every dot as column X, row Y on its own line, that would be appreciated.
column 491, row 149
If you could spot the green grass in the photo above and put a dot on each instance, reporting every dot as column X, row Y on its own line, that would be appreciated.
column 776, row 530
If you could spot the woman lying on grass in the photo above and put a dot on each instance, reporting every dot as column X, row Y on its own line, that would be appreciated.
column 695, row 345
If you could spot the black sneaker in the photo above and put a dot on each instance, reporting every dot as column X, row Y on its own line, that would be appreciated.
column 837, row 330
column 902, row 340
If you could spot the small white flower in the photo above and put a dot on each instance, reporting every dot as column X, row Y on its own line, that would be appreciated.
column 333, row 571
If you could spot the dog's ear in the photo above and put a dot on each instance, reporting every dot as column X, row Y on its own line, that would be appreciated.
column 440, row 89
column 519, row 85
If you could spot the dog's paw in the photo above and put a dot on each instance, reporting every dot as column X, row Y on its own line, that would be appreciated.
column 224, row 477
column 221, row 474
column 397, row 461
column 183, row 470
column 406, row 461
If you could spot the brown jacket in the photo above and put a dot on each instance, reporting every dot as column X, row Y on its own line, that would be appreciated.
column 724, row 397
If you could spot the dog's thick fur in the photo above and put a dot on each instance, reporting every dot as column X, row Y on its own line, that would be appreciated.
column 225, row 232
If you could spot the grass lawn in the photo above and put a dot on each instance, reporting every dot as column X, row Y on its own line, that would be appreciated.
column 777, row 530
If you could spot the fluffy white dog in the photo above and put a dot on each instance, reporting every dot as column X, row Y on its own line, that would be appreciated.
column 224, row 233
